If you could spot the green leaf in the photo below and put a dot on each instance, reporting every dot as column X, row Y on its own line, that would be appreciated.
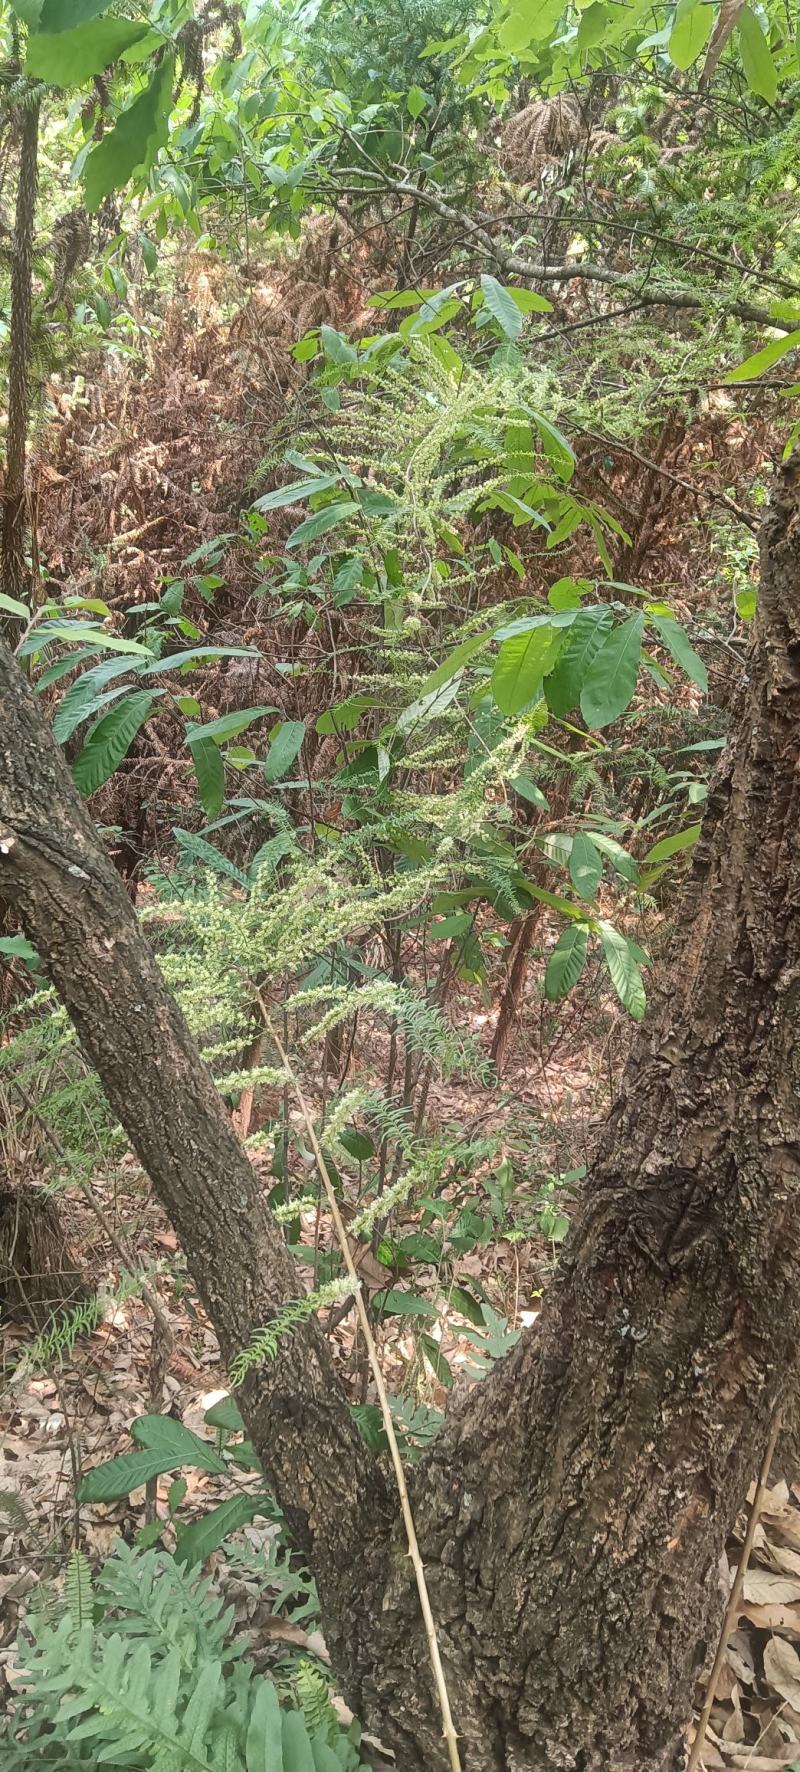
column 328, row 518
column 110, row 739
column 585, row 865
column 160, row 1433
column 89, row 636
column 558, row 451
column 15, row 947
column 759, row 67
column 179, row 661
column 619, row 857
column 624, row 970
column 297, row 1755
column 109, row 1482
column 337, row 348
column 679, row 645
column 566, row 963
column 529, row 301
column 264, row 1746
column 208, row 855
column 690, row 32
column 405, row 1304
column 428, row 707
column 563, row 684
column 14, row 607
column 209, row 772
column 345, row 715
column 672, row 845
column 611, row 678
column 297, row 493
column 357, row 1144
column 502, row 305
column 522, row 662
column 416, row 102
column 135, row 139
column 61, row 15
column 454, row 662
column 764, row 358
column 196, row 1542
column 229, row 725
column 436, row 1359
column 70, row 57
column 285, row 747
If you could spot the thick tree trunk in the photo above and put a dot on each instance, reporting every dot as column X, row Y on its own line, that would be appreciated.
column 572, row 1513
column 76, row 911
column 572, row 1510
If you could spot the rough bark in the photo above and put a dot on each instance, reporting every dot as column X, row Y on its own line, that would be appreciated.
column 572, row 1511
column 572, row 1514
column 74, row 908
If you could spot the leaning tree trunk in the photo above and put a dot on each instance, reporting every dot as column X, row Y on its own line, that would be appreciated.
column 572, row 1511
column 12, row 545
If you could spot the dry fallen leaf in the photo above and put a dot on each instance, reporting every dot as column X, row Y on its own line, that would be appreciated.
column 740, row 1656
column 782, row 1669
column 763, row 1588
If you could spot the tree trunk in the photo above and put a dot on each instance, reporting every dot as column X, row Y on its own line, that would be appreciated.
column 572, row 1511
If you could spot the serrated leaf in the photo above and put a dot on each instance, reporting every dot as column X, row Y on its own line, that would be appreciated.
column 680, row 647
column 228, row 725
column 566, row 963
column 196, row 1542
column 71, row 57
column 610, row 681
column 109, row 1482
column 285, row 747
column 135, row 139
column 502, row 306
column 760, row 71
column 624, row 970
column 209, row 772
column 109, row 740
column 585, row 865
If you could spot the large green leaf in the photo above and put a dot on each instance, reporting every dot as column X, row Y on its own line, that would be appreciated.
column 566, row 962
column 110, row 739
column 522, row 662
column 62, row 15
column 563, row 684
column 85, row 698
column 623, row 966
column 454, row 662
column 690, row 32
column 228, row 725
column 328, row 518
column 502, row 306
column 585, row 865
column 135, row 139
column 679, row 645
column 297, row 1755
column 298, row 492
column 196, row 1542
column 285, row 747
column 264, row 1744
column 670, row 846
column 68, row 58
column 209, row 772
column 764, row 358
column 109, row 1482
column 162, row 1433
column 760, row 70
column 611, row 678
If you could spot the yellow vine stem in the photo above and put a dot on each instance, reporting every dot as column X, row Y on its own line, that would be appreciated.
column 732, row 1608
column 448, row 1728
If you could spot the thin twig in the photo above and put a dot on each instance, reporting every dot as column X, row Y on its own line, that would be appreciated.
column 448, row 1728
column 732, row 1608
